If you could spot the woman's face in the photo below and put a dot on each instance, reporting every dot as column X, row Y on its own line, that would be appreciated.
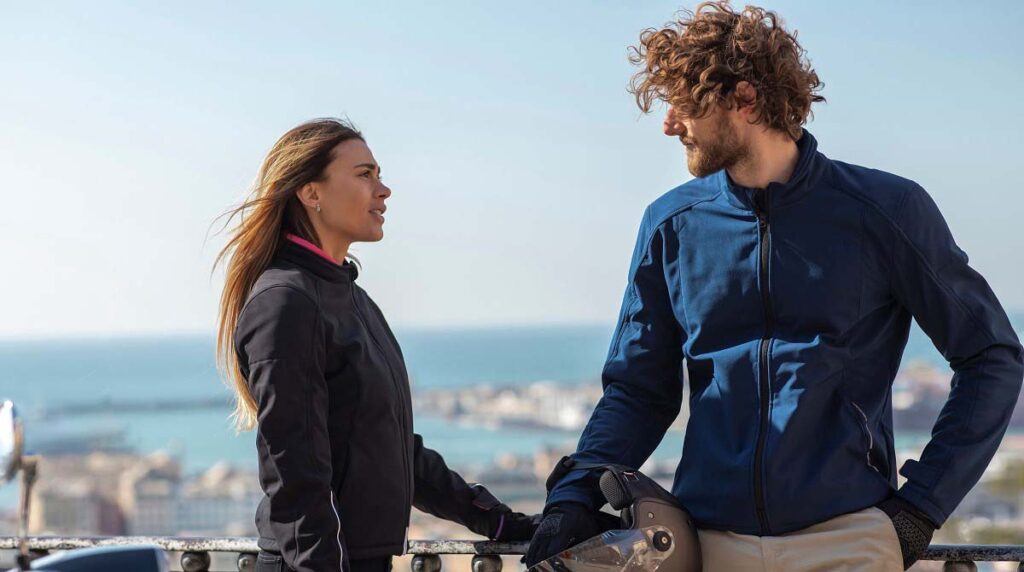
column 351, row 195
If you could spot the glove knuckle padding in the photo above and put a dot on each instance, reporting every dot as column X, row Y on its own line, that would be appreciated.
column 484, row 499
column 550, row 525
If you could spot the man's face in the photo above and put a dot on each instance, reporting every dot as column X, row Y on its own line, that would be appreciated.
column 712, row 142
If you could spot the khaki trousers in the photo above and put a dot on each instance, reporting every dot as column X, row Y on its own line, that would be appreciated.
column 862, row 541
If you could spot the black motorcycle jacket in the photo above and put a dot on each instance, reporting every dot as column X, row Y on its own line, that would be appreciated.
column 339, row 463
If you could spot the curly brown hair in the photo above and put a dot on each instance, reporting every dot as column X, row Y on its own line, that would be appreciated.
column 696, row 62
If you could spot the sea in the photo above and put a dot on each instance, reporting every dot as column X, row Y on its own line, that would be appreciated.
column 44, row 374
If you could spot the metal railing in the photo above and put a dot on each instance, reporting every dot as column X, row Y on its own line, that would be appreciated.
column 486, row 555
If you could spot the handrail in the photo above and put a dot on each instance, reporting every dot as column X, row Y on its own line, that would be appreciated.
column 195, row 557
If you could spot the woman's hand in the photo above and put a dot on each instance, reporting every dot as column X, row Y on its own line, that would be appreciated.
column 509, row 526
column 502, row 523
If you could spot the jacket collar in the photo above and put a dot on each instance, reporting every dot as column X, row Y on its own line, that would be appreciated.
column 315, row 262
column 810, row 167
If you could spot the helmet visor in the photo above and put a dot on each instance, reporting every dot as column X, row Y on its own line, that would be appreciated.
column 640, row 550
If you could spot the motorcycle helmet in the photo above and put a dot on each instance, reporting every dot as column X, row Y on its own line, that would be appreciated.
column 655, row 533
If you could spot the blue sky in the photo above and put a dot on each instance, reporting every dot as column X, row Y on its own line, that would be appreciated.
column 519, row 163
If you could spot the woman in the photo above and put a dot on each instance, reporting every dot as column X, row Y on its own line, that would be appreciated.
column 319, row 374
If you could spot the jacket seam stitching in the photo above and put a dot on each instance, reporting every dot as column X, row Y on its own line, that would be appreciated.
column 899, row 214
column 259, row 361
column 671, row 214
column 924, row 261
column 287, row 286
column 308, row 391
column 633, row 296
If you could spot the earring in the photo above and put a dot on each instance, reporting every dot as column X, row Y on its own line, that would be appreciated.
column 318, row 207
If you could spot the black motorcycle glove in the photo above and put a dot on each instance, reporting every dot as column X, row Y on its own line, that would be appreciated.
column 509, row 526
column 499, row 522
column 564, row 525
column 913, row 528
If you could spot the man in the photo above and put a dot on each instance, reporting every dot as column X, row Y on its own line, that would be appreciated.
column 787, row 282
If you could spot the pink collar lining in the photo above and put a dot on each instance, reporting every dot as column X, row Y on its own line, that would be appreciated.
column 310, row 246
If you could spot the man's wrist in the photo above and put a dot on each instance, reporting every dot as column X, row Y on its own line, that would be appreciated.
column 570, row 494
column 913, row 528
column 895, row 504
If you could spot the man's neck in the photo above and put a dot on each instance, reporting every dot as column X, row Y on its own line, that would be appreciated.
column 772, row 158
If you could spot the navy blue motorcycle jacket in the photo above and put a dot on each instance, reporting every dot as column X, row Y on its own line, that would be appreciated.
column 790, row 307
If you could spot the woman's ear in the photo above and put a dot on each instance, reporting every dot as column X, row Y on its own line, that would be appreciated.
column 309, row 195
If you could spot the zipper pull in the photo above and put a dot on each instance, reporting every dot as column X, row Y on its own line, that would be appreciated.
column 759, row 198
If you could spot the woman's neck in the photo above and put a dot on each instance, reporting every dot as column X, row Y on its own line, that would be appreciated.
column 335, row 247
column 331, row 255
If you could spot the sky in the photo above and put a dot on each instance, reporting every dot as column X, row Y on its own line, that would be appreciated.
column 519, row 163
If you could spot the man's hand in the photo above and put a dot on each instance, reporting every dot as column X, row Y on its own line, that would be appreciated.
column 565, row 525
column 912, row 528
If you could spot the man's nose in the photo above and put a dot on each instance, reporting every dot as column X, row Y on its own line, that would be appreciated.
column 673, row 125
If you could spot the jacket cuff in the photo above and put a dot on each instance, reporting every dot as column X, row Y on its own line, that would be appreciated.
column 486, row 513
column 922, row 504
column 569, row 494
column 921, row 480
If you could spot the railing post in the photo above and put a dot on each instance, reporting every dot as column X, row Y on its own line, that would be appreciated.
column 486, row 563
column 426, row 563
column 959, row 566
column 195, row 561
column 246, row 562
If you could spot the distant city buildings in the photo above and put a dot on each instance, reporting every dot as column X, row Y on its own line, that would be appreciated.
column 540, row 405
column 126, row 494
column 221, row 501
column 918, row 392
column 119, row 493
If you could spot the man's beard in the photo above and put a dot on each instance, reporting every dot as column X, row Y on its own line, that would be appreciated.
column 719, row 150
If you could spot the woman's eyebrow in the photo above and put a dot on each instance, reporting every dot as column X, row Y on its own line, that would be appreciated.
column 370, row 165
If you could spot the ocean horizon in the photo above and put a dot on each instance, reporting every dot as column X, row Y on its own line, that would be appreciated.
column 47, row 373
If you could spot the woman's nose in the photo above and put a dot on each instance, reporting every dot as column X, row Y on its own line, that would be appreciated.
column 384, row 191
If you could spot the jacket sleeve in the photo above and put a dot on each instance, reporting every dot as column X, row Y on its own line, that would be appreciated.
column 441, row 492
column 956, row 308
column 642, row 376
column 280, row 345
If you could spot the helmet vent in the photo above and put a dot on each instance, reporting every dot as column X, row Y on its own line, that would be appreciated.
column 613, row 491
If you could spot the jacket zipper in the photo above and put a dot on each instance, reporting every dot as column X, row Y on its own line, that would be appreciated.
column 764, row 252
column 401, row 392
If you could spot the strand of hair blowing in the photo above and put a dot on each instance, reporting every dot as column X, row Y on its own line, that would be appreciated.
column 272, row 208
column 695, row 63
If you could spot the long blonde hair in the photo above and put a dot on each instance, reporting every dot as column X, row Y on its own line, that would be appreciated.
column 272, row 209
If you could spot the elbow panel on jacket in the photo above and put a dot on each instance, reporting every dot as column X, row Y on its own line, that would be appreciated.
column 955, row 306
